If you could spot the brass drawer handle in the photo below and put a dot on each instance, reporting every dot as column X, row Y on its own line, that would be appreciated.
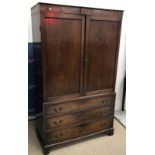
column 55, row 110
column 58, row 110
column 55, row 123
column 60, row 121
column 102, row 101
column 106, row 101
column 104, row 112
column 58, row 135
column 103, row 124
column 61, row 134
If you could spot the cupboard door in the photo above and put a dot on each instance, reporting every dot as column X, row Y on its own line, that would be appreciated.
column 63, row 38
column 102, row 38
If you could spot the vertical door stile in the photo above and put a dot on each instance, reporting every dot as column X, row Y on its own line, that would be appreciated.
column 82, row 55
column 86, row 52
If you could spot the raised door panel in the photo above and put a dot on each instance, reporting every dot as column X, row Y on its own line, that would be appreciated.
column 101, row 54
column 63, row 49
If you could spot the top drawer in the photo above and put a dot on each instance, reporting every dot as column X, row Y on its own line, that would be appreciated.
column 78, row 104
column 59, row 9
column 105, row 14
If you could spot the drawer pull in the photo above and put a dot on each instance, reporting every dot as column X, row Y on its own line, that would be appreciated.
column 61, row 134
column 60, row 121
column 58, row 135
column 55, row 123
column 60, row 108
column 102, row 101
column 103, row 124
column 55, row 110
column 104, row 112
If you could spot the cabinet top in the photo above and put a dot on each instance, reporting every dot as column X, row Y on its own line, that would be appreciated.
column 43, row 7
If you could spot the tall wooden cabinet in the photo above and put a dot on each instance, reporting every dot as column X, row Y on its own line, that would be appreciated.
column 76, row 51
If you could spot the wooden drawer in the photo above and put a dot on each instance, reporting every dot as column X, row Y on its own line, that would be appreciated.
column 59, row 108
column 80, row 130
column 79, row 117
column 60, row 9
column 107, row 14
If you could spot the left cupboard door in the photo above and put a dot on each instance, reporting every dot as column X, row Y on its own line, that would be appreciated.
column 63, row 41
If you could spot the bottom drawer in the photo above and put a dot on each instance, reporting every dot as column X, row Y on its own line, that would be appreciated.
column 78, row 131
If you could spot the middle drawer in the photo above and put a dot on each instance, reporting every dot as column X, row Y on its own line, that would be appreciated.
column 78, row 117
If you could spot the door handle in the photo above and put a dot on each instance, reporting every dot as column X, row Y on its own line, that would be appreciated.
column 82, row 60
column 86, row 60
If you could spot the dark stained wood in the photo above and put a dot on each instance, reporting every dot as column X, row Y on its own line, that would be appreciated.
column 63, row 54
column 44, row 7
column 84, row 97
column 105, row 14
column 60, row 9
column 110, row 132
column 79, row 117
column 78, row 105
column 76, row 51
column 80, row 130
column 101, row 52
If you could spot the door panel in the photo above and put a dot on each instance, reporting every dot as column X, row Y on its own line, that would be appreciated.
column 64, row 49
column 101, row 53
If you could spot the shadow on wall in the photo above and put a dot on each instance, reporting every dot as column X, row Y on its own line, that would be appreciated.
column 34, row 80
column 31, row 82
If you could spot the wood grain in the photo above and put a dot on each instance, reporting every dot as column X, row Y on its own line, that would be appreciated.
column 76, row 71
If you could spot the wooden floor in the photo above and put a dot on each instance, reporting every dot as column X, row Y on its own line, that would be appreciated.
column 98, row 145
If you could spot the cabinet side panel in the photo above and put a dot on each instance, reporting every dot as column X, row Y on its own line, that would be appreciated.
column 37, row 60
column 37, row 49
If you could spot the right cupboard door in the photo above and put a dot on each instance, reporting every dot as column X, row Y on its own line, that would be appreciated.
column 101, row 50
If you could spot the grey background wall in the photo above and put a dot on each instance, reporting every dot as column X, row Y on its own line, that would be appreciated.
column 106, row 4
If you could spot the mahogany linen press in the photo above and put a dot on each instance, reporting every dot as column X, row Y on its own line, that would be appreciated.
column 76, row 53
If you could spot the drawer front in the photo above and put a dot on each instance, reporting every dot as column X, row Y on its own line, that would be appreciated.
column 104, row 13
column 78, row 105
column 60, row 9
column 80, row 130
column 78, row 117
